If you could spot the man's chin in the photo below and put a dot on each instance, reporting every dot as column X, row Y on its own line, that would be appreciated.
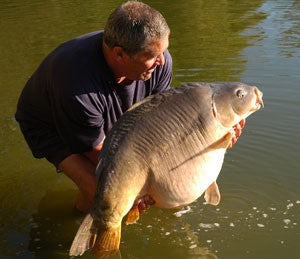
column 146, row 76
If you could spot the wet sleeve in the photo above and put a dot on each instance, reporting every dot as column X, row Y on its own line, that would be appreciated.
column 165, row 75
column 79, row 121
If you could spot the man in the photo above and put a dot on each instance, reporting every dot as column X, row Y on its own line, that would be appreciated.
column 82, row 88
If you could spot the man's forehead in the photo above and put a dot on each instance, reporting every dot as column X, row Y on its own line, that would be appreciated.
column 157, row 47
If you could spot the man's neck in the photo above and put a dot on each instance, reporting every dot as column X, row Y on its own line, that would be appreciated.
column 123, row 81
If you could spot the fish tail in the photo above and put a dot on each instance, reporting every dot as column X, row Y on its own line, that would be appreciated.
column 85, row 237
column 108, row 240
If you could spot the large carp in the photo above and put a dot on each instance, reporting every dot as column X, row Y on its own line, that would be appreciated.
column 170, row 146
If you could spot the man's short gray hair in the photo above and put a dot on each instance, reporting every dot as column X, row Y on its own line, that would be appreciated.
column 134, row 26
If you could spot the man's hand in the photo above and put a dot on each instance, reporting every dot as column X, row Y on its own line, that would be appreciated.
column 238, row 131
column 144, row 203
column 139, row 206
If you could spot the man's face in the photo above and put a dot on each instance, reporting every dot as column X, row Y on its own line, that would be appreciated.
column 142, row 65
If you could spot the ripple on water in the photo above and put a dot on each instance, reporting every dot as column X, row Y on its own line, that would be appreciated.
column 206, row 226
column 267, row 218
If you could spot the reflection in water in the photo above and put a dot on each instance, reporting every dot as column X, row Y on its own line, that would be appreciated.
column 54, row 225
column 162, row 233
column 107, row 255
column 291, row 32
column 196, row 251
column 212, row 52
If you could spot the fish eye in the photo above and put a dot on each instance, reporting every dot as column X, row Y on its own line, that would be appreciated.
column 240, row 93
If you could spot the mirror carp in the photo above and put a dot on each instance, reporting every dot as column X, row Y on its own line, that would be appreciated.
column 170, row 146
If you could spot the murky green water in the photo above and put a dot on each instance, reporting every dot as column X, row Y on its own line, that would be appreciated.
column 252, row 41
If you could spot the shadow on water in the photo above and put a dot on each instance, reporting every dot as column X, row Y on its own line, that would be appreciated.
column 54, row 225
column 56, row 221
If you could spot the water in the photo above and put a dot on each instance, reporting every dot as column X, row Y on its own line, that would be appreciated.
column 251, row 41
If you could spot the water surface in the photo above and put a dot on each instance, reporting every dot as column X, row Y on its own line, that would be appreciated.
column 228, row 40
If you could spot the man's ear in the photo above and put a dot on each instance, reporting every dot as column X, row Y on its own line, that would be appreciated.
column 119, row 53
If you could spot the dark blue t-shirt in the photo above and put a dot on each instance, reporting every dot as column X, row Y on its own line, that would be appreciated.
column 72, row 100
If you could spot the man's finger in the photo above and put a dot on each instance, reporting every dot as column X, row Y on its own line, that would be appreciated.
column 144, row 203
column 242, row 123
column 141, row 207
column 148, row 200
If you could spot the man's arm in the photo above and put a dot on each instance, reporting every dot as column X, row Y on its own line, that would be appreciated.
column 94, row 154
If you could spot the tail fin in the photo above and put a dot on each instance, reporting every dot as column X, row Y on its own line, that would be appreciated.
column 85, row 237
column 108, row 240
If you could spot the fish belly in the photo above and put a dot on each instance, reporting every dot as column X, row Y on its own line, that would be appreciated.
column 187, row 182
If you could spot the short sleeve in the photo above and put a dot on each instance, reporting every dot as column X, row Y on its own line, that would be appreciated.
column 165, row 75
column 79, row 121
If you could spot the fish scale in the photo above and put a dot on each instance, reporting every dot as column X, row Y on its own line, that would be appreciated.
column 162, row 128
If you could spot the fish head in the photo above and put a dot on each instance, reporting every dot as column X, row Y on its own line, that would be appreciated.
column 232, row 102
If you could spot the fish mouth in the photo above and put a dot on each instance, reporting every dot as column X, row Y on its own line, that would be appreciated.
column 256, row 105
column 259, row 101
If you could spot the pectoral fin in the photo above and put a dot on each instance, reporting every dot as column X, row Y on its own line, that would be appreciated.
column 133, row 215
column 212, row 194
column 224, row 142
